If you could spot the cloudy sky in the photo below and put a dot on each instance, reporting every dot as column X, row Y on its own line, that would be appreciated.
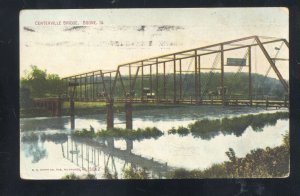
column 49, row 40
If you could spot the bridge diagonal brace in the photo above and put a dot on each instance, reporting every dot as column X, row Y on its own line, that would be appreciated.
column 284, row 83
column 104, row 87
column 286, row 43
column 135, row 77
column 114, row 84
column 123, row 86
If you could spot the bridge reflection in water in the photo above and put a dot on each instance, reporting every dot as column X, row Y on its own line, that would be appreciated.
column 95, row 157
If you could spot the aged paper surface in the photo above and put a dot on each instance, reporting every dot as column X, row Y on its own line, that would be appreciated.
column 154, row 93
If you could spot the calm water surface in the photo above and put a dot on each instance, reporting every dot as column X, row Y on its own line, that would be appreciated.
column 45, row 156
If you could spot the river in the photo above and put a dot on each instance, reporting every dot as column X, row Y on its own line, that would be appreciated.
column 51, row 153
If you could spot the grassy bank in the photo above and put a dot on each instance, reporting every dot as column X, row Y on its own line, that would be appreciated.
column 73, row 176
column 87, row 108
column 119, row 133
column 259, row 163
column 34, row 112
column 207, row 128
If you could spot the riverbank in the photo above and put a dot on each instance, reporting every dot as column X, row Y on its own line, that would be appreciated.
column 173, row 150
column 259, row 163
column 88, row 108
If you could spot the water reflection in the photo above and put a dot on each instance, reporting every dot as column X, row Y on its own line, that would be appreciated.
column 35, row 150
column 107, row 158
column 33, row 144
column 57, row 138
column 46, row 143
column 142, row 118
column 102, row 157
column 42, row 124
column 208, row 129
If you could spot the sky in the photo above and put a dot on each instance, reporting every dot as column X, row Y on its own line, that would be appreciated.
column 62, row 43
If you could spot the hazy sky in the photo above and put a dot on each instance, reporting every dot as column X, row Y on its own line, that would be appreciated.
column 124, row 35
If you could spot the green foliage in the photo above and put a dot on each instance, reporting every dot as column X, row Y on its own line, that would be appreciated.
column 236, row 124
column 108, row 175
column 138, row 134
column 119, row 133
column 172, row 131
column 135, row 173
column 182, row 173
column 207, row 129
column 41, row 84
column 90, row 177
column 84, row 133
column 72, row 176
column 25, row 100
column 261, row 120
column 286, row 140
column 205, row 125
column 231, row 155
column 259, row 163
column 182, row 131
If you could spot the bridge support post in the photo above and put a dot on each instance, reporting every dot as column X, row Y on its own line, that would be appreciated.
column 199, row 80
column 72, row 113
column 196, row 79
column 174, row 80
column 110, row 115
column 222, row 75
column 250, row 76
column 267, row 102
column 128, row 110
column 58, row 107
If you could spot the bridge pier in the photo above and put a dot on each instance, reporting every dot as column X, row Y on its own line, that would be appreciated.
column 128, row 111
column 58, row 107
column 72, row 113
column 110, row 114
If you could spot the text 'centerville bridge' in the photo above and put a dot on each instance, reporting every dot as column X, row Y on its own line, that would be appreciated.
column 196, row 77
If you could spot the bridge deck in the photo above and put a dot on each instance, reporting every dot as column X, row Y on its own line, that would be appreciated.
column 227, row 102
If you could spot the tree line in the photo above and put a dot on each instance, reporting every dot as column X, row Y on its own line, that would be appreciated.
column 37, row 83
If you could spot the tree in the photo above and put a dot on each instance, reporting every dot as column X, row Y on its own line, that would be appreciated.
column 41, row 84
column 35, row 80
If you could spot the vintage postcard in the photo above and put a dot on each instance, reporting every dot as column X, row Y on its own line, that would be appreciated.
column 154, row 93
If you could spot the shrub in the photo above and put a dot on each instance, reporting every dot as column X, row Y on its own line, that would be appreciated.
column 182, row 131
column 172, row 131
column 135, row 173
column 258, row 163
column 120, row 133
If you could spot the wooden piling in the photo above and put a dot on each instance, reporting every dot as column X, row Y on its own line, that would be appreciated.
column 72, row 113
column 110, row 115
column 128, row 111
